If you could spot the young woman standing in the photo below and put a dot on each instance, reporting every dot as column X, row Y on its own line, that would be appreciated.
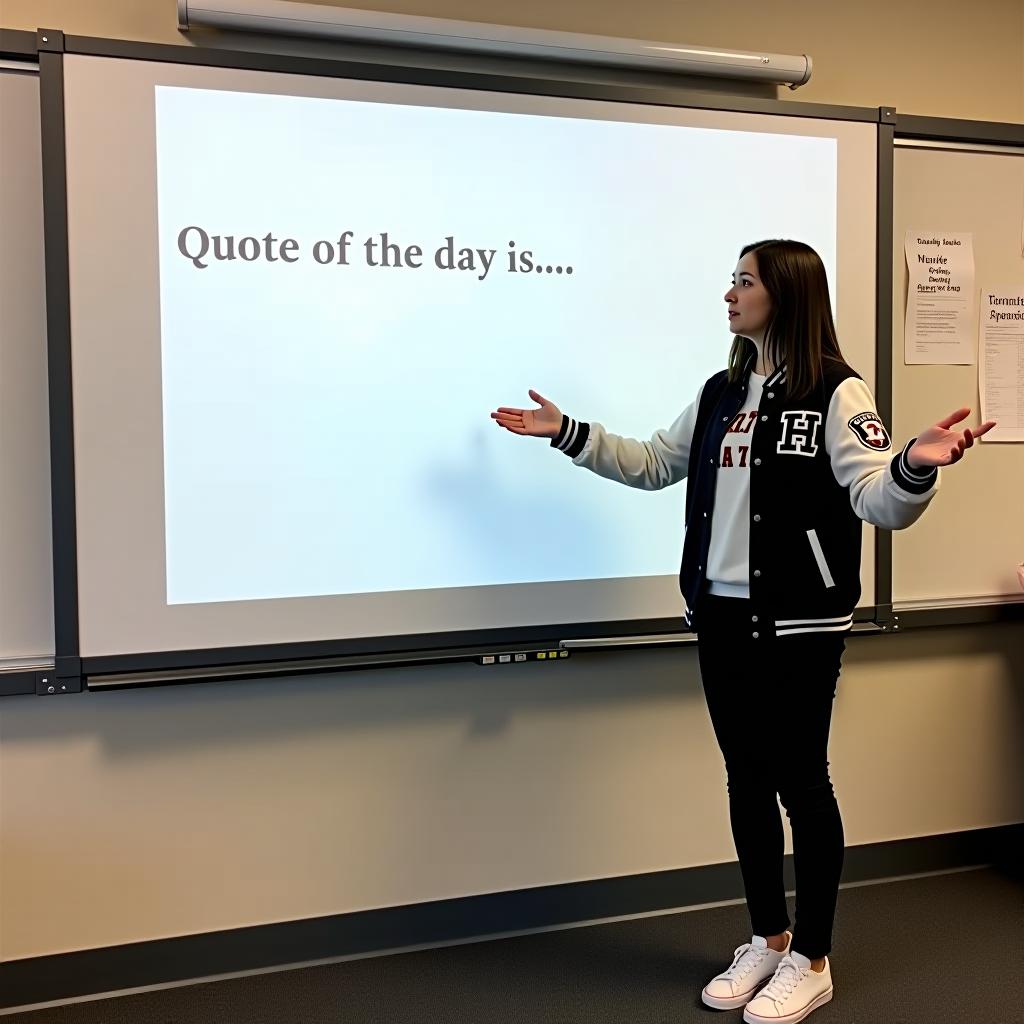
column 785, row 455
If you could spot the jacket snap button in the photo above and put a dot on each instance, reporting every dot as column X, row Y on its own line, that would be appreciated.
column 725, row 419
column 757, row 519
column 756, row 635
column 757, row 572
column 753, row 618
column 771, row 394
column 764, row 419
column 757, row 462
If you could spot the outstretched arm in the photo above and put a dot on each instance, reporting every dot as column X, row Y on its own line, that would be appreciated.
column 886, row 490
column 649, row 465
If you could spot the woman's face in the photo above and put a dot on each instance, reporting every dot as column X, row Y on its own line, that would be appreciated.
column 750, row 306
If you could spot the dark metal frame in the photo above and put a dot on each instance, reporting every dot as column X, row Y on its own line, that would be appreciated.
column 951, row 129
column 883, row 341
column 289, row 659
column 17, row 45
column 58, row 332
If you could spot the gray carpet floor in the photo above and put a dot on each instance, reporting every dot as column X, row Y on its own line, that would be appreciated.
column 944, row 949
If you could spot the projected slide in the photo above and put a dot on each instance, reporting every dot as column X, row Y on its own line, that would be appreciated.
column 347, row 288
column 292, row 319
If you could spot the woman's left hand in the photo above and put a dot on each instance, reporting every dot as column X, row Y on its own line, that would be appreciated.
column 942, row 446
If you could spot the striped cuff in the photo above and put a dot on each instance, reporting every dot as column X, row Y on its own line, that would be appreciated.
column 571, row 436
column 913, row 481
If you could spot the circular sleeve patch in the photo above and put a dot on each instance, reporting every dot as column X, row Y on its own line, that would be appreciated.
column 871, row 431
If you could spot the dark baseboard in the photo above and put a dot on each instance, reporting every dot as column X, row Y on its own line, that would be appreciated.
column 162, row 961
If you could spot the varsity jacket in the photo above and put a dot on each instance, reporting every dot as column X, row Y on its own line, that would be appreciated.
column 819, row 465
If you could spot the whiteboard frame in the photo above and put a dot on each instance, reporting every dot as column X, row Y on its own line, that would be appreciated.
column 200, row 665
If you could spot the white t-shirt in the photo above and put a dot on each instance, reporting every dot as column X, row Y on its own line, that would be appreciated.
column 729, row 557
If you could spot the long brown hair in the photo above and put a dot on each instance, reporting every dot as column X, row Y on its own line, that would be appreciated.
column 800, row 331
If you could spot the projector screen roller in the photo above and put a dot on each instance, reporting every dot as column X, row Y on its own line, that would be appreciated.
column 292, row 318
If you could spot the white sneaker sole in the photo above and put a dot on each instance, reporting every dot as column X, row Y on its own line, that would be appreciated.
column 792, row 1018
column 732, row 1002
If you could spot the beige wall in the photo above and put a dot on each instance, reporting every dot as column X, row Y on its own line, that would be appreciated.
column 137, row 815
column 966, row 60
column 144, row 814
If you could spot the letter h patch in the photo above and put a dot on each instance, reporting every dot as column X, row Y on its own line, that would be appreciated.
column 799, row 433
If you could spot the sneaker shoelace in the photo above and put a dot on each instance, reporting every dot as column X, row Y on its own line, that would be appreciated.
column 787, row 976
column 746, row 959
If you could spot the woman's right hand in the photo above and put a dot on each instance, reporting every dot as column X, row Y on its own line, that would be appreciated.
column 543, row 422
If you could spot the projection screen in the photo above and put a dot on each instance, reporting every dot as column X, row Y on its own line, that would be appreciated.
column 295, row 301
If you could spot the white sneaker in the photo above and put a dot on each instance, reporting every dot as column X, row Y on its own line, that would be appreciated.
column 794, row 992
column 753, row 963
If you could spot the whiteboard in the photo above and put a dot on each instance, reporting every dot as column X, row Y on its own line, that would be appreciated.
column 966, row 547
column 26, row 574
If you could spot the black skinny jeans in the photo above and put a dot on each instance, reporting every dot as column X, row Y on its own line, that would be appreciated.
column 770, row 701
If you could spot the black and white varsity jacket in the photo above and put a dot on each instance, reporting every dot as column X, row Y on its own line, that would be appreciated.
column 818, row 466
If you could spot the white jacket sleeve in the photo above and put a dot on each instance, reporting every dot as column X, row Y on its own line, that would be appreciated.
column 649, row 465
column 884, row 489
